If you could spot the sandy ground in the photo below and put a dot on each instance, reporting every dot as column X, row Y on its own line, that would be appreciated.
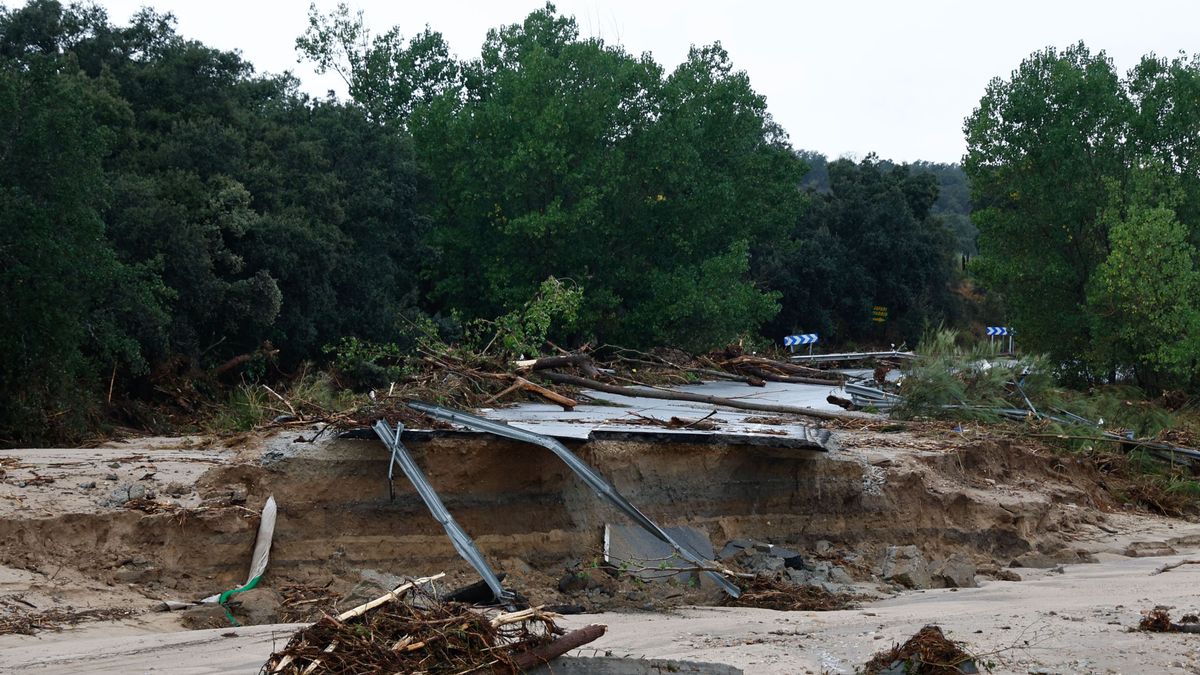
column 1076, row 621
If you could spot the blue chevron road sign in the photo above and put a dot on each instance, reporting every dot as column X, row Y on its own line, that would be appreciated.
column 805, row 339
column 997, row 330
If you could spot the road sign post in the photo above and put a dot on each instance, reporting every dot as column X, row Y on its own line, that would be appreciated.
column 1001, row 331
column 792, row 341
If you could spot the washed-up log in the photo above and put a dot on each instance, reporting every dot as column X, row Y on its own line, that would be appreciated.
column 266, row 351
column 840, row 402
column 752, row 381
column 580, row 361
column 518, row 382
column 671, row 395
column 793, row 379
column 773, row 365
column 564, row 644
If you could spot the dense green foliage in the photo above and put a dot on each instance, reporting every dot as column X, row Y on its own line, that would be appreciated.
column 870, row 239
column 165, row 206
column 166, row 209
column 554, row 155
column 1088, row 195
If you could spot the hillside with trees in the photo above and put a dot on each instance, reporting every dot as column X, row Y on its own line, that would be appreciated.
column 176, row 222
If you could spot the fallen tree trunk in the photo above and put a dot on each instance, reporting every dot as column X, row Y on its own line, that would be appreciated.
column 580, row 361
column 669, row 395
column 794, row 379
column 772, row 364
column 267, row 351
column 564, row 644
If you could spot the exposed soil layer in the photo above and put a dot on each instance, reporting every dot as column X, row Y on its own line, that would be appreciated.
column 531, row 517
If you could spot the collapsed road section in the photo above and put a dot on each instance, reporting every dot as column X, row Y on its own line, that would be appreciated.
column 594, row 480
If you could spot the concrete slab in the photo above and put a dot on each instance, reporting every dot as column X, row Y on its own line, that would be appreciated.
column 619, row 417
column 637, row 547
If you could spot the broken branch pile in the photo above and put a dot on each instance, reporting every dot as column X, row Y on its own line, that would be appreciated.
column 410, row 631
column 766, row 592
column 18, row 622
column 462, row 379
column 928, row 652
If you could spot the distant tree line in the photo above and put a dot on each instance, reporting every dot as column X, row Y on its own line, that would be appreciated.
column 165, row 208
column 1087, row 191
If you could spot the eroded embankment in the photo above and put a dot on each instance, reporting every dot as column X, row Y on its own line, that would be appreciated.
column 531, row 516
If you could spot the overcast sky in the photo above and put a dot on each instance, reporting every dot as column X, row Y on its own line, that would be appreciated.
column 895, row 77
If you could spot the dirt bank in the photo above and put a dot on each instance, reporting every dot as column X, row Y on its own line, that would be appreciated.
column 65, row 514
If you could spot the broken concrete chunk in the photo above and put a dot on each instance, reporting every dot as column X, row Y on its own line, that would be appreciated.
column 956, row 572
column 1149, row 549
column 1038, row 560
column 640, row 553
column 906, row 566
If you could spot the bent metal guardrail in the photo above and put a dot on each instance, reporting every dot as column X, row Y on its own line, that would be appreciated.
column 594, row 480
column 462, row 542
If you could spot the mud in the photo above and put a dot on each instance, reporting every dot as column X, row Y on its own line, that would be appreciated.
column 990, row 501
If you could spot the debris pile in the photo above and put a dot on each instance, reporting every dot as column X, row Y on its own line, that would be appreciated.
column 929, row 652
column 18, row 622
column 768, row 592
column 408, row 630
column 1158, row 620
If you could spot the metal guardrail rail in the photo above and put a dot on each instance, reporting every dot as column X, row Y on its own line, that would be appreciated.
column 461, row 540
column 852, row 356
column 594, row 480
column 871, row 397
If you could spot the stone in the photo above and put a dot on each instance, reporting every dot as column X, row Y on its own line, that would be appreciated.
column 137, row 491
column 822, row 547
column 1149, row 549
column 734, row 547
column 516, row 566
column 111, row 476
column 90, row 485
column 257, row 606
column 957, row 572
column 906, row 566
column 204, row 616
column 760, row 562
column 1037, row 560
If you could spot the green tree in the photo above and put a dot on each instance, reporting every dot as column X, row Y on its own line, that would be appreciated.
column 1042, row 149
column 71, row 309
column 1145, row 297
column 870, row 239
column 553, row 155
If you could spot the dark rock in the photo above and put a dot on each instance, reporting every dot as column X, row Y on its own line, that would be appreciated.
column 111, row 476
column 477, row 593
column 88, row 485
column 734, row 547
column 573, row 581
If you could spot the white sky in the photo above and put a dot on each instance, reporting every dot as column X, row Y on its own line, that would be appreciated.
column 896, row 77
